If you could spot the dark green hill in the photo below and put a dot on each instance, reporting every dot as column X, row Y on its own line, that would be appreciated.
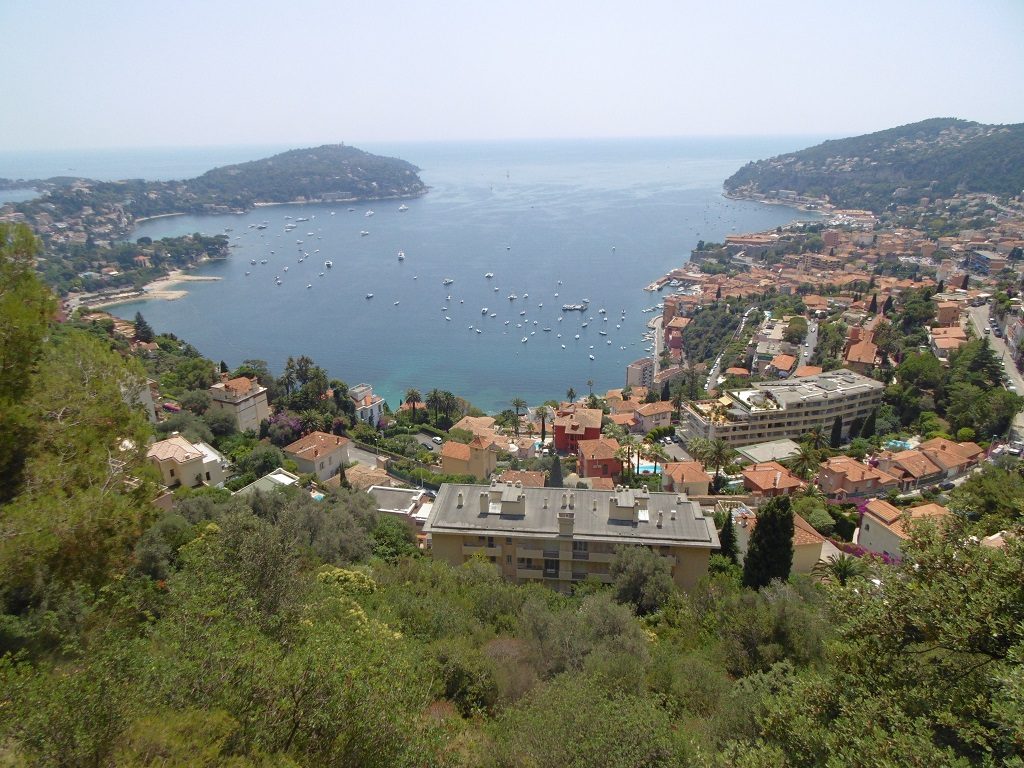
column 333, row 171
column 932, row 158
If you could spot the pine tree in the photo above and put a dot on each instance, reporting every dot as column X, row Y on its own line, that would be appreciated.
column 887, row 307
column 941, row 286
column 868, row 430
column 224, row 367
column 873, row 306
column 555, row 478
column 666, row 394
column 770, row 554
column 727, row 539
column 967, row 279
column 836, row 438
column 143, row 331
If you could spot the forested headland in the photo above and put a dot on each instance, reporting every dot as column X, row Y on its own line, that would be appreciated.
column 932, row 158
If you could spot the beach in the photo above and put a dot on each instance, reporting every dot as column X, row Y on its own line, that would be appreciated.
column 164, row 288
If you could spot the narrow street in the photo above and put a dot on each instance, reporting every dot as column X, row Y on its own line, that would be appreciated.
column 980, row 319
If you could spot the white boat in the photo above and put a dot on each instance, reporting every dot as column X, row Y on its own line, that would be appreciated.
column 309, row 285
column 525, row 339
column 591, row 357
column 368, row 214
column 252, row 261
column 483, row 311
column 369, row 295
column 489, row 275
column 302, row 218
column 546, row 330
column 447, row 281
column 396, row 303
column 577, row 337
column 563, row 346
column 263, row 261
column 321, row 274
column 603, row 333
column 478, row 330
column 447, row 318
column 494, row 314
column 286, row 269
column 403, row 208
column 526, row 295
column 247, row 273
column 364, row 233
column 401, row 255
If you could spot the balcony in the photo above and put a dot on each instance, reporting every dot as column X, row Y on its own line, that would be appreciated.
column 552, row 554
column 468, row 550
column 529, row 573
column 580, row 555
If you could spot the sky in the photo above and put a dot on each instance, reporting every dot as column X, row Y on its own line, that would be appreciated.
column 118, row 74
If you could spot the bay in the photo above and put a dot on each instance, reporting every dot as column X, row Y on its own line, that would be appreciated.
column 555, row 222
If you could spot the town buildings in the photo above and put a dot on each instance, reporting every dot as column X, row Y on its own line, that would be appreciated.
column 883, row 527
column 784, row 409
column 599, row 458
column 319, row 453
column 574, row 425
column 561, row 536
column 187, row 464
column 478, row 458
column 843, row 477
column 369, row 406
column 243, row 399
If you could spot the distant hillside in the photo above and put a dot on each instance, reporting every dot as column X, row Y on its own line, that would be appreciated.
column 932, row 158
column 333, row 171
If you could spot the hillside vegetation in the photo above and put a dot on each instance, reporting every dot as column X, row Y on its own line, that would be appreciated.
column 932, row 158
column 282, row 630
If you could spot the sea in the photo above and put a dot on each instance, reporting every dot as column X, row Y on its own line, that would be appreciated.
column 460, row 289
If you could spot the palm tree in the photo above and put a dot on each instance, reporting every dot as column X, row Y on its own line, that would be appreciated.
column 570, row 394
column 719, row 454
column 449, row 403
column 840, row 568
column 288, row 377
column 590, row 385
column 656, row 453
column 629, row 445
column 434, row 401
column 815, row 437
column 805, row 463
column 413, row 396
column 698, row 448
column 518, row 404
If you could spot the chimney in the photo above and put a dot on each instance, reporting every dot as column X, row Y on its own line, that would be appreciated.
column 460, row 500
column 778, row 476
column 660, row 514
column 565, row 523
column 594, row 504
column 484, row 502
column 672, row 515
column 545, row 502
column 572, row 501
column 565, row 501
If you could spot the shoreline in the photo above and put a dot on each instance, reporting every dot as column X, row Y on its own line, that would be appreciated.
column 156, row 216
column 161, row 289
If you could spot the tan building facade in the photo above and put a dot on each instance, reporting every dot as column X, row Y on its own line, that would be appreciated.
column 243, row 399
column 561, row 536
column 783, row 409
column 319, row 453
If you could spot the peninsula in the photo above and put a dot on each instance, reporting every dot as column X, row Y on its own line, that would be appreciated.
column 82, row 223
column 939, row 157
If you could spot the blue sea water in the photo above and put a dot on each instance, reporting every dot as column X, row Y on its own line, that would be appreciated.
column 554, row 221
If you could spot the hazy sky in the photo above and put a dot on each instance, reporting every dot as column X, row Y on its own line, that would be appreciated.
column 204, row 72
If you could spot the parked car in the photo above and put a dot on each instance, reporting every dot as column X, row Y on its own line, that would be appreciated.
column 947, row 486
column 436, row 439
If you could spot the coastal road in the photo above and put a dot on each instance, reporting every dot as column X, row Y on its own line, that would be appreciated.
column 712, row 379
column 980, row 318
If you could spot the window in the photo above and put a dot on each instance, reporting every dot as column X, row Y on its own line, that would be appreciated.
column 508, row 559
column 490, row 541
column 508, row 539
column 172, row 471
column 579, row 546
column 207, row 477
column 550, row 567
column 321, row 465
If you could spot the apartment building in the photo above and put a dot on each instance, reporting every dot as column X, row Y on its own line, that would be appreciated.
column 561, row 536
column 783, row 409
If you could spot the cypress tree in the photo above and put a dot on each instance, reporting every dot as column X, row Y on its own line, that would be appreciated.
column 941, row 286
column 855, row 427
column 873, row 306
column 665, row 393
column 770, row 554
column 727, row 539
column 555, row 478
column 143, row 331
column 868, row 430
column 836, row 438
column 887, row 307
